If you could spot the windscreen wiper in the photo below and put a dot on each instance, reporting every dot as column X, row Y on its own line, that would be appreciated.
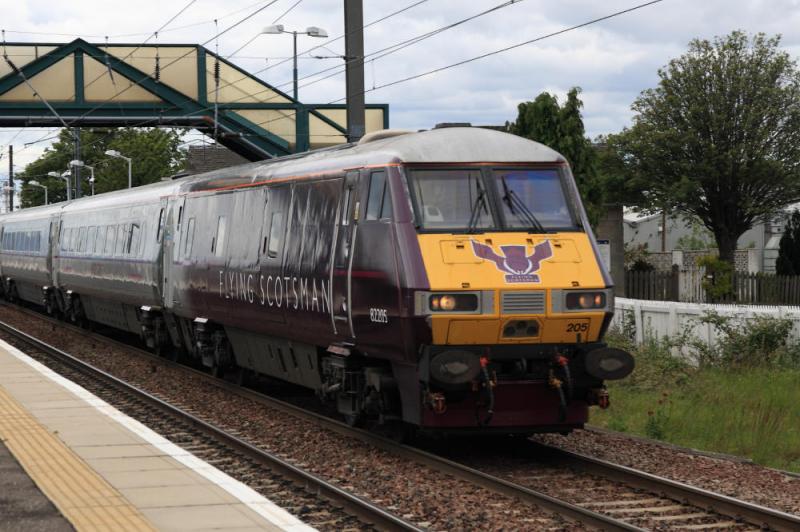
column 479, row 204
column 512, row 200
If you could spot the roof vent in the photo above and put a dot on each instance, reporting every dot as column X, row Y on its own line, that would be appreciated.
column 383, row 134
column 443, row 125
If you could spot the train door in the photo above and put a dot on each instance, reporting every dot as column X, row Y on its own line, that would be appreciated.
column 342, row 257
column 171, row 238
column 161, row 225
column 271, row 253
column 52, row 252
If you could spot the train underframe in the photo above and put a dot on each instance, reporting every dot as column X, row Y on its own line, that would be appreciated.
column 508, row 388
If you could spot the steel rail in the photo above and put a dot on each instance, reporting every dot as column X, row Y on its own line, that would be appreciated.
column 722, row 504
column 455, row 469
column 363, row 509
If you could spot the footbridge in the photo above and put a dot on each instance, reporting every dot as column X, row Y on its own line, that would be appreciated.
column 81, row 84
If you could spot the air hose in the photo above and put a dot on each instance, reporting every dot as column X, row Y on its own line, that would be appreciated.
column 488, row 387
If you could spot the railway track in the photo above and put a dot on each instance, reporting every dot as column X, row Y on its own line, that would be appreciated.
column 222, row 449
column 624, row 498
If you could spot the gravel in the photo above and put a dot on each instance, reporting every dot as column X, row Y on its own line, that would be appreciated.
column 726, row 475
column 422, row 495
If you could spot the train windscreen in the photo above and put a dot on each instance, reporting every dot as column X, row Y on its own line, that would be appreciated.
column 452, row 199
column 534, row 198
column 461, row 200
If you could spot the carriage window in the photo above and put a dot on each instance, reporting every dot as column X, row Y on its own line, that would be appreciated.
column 346, row 206
column 111, row 236
column 101, row 240
column 218, row 244
column 377, row 192
column 160, row 227
column 133, row 240
column 82, row 240
column 91, row 238
column 122, row 237
column 275, row 235
column 189, row 243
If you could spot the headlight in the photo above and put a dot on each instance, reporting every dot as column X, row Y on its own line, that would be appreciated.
column 453, row 302
column 585, row 300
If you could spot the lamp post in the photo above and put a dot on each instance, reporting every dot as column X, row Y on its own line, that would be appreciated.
column 66, row 177
column 118, row 155
column 311, row 31
column 34, row 183
column 80, row 164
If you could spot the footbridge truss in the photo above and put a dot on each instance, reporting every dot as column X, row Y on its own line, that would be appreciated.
column 176, row 85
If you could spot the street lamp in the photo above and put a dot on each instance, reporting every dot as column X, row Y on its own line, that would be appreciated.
column 118, row 155
column 34, row 183
column 311, row 31
column 66, row 177
column 80, row 164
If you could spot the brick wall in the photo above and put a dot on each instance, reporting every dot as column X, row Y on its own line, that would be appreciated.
column 663, row 261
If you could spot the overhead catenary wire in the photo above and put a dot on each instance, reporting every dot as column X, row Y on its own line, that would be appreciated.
column 501, row 50
column 150, row 121
column 182, row 56
column 388, row 50
column 137, row 34
column 297, row 3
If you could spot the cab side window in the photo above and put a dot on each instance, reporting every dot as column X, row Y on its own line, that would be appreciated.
column 379, row 203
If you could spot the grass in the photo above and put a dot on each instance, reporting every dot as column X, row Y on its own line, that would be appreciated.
column 748, row 411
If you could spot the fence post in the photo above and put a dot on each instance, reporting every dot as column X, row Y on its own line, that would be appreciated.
column 637, row 321
column 675, row 283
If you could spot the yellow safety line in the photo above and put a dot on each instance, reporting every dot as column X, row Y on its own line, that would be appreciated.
column 82, row 496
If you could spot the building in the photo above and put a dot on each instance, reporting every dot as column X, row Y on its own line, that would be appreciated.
column 758, row 247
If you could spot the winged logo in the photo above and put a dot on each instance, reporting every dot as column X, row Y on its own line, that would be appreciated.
column 515, row 261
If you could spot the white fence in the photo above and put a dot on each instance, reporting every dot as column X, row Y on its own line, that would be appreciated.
column 656, row 319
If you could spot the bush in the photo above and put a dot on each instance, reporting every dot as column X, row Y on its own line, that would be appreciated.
column 759, row 342
column 718, row 283
column 657, row 368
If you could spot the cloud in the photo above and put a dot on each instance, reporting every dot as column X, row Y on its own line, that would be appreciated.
column 613, row 61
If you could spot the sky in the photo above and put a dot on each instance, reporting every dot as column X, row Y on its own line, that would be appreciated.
column 612, row 61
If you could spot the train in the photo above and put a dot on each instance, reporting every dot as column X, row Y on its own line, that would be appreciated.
column 445, row 280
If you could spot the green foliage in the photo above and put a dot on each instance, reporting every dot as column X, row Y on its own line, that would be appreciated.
column 788, row 262
column 718, row 282
column 719, row 137
column 758, row 342
column 698, row 239
column 561, row 128
column 742, row 398
column 637, row 258
column 155, row 152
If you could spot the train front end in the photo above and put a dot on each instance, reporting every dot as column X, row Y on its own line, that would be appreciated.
column 518, row 301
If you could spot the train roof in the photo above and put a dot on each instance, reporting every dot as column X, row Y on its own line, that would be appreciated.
column 445, row 145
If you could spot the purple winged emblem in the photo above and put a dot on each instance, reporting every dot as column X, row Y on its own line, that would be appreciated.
column 514, row 261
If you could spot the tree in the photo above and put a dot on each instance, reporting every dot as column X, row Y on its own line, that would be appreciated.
column 719, row 138
column 156, row 153
column 788, row 262
column 561, row 128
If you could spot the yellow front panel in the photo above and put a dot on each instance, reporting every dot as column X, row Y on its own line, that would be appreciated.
column 452, row 263
column 512, row 262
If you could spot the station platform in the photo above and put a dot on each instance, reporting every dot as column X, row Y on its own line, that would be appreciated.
column 102, row 470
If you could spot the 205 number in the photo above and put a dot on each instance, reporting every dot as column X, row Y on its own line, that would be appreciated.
column 578, row 327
